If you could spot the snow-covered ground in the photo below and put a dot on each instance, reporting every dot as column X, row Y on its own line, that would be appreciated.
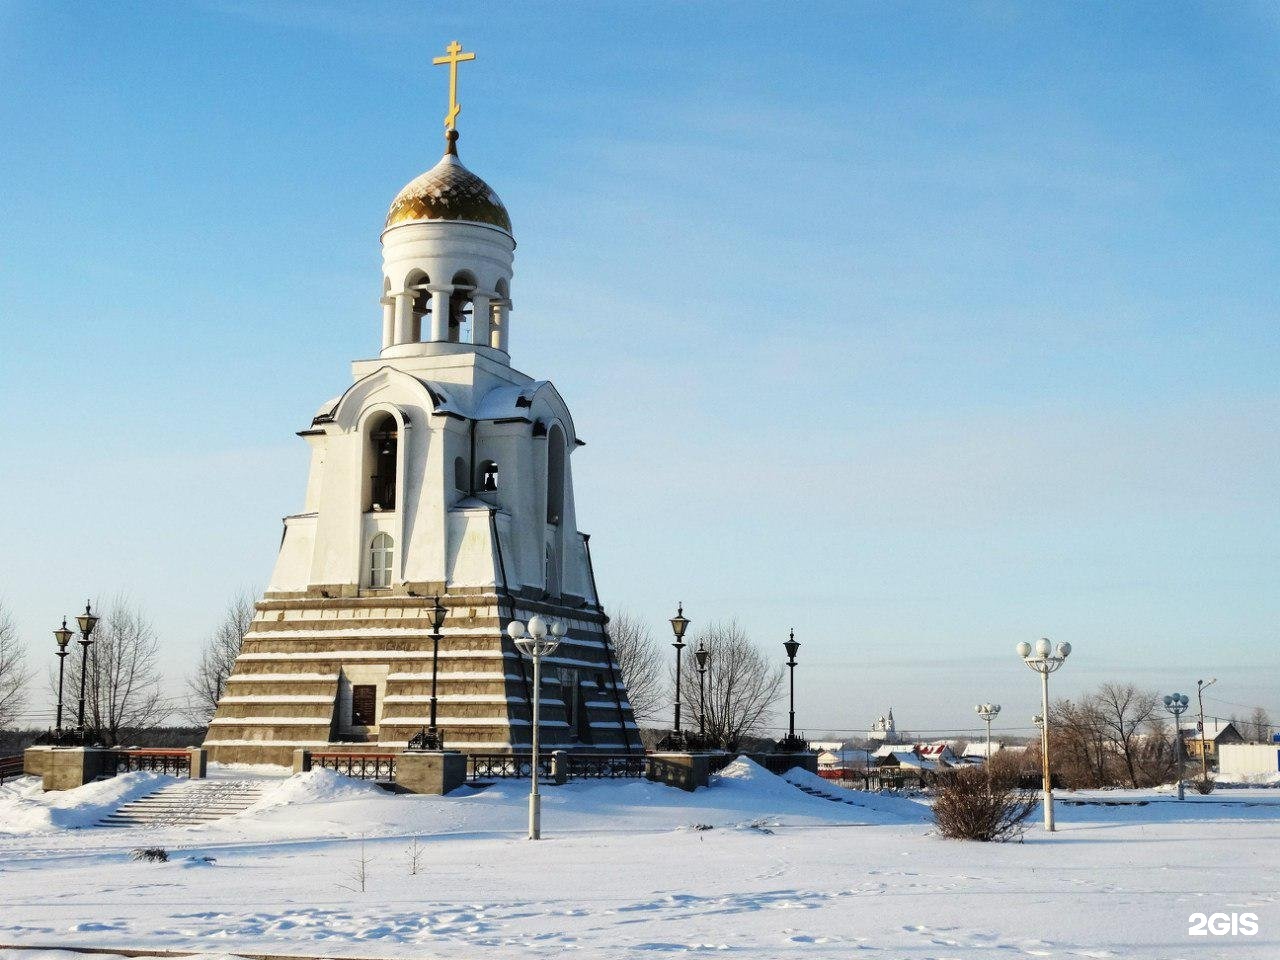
column 750, row 867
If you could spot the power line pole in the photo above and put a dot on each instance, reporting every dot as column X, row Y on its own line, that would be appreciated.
column 1204, row 754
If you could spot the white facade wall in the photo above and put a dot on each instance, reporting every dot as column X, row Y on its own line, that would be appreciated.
column 1240, row 760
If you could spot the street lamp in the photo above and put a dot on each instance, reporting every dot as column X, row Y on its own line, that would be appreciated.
column 433, row 740
column 86, row 621
column 792, row 647
column 63, row 636
column 1043, row 659
column 988, row 712
column 702, row 654
column 1175, row 703
column 1201, row 686
column 679, row 624
column 535, row 643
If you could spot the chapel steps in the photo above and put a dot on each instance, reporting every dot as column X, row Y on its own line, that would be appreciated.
column 186, row 803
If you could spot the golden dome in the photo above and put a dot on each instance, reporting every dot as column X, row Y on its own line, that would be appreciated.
column 449, row 191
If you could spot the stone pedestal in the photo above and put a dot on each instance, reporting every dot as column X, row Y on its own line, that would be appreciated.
column 559, row 766
column 199, row 764
column 431, row 771
column 301, row 761
column 68, row 767
column 688, row 771
column 35, row 760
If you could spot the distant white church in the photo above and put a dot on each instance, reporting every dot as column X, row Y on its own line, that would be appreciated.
column 441, row 470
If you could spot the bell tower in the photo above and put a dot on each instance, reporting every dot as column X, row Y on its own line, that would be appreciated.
column 439, row 508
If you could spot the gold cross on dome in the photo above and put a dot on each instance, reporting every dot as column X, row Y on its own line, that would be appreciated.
column 453, row 56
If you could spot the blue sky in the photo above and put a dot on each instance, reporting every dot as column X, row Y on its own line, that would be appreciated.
column 923, row 329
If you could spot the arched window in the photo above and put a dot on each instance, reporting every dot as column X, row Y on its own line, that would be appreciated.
column 420, row 309
column 380, row 551
column 384, row 440
column 460, row 309
column 555, row 474
column 488, row 477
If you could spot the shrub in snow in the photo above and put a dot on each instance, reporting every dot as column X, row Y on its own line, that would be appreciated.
column 969, row 806
column 1204, row 786
column 151, row 855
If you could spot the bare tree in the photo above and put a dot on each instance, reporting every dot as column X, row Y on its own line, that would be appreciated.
column 206, row 683
column 640, row 658
column 13, row 671
column 1260, row 725
column 1126, row 714
column 742, row 685
column 122, row 682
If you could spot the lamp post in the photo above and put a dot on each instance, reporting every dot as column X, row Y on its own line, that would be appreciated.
column 988, row 712
column 702, row 654
column 792, row 647
column 434, row 740
column 535, row 643
column 86, row 621
column 679, row 624
column 1043, row 659
column 63, row 637
column 1176, row 703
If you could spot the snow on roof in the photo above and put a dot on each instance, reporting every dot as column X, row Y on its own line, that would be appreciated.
column 979, row 748
column 1213, row 729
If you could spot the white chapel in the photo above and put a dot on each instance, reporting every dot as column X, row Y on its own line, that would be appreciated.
column 440, row 488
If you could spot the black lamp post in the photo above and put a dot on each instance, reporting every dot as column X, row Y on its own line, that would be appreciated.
column 63, row 636
column 679, row 624
column 437, row 623
column 793, row 647
column 87, row 621
column 701, row 655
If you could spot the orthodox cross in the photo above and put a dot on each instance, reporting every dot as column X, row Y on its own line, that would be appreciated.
column 453, row 57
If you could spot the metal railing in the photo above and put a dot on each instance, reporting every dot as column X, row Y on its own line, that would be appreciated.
column 379, row 767
column 501, row 766
column 621, row 766
column 175, row 763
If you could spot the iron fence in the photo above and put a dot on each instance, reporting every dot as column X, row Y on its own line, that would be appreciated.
column 10, row 767
column 622, row 766
column 501, row 766
column 379, row 767
column 175, row 763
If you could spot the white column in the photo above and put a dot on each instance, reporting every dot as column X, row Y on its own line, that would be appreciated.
column 388, row 321
column 440, row 313
column 404, row 317
column 480, row 319
column 504, row 326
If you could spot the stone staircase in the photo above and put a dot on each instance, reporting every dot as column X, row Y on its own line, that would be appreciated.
column 185, row 803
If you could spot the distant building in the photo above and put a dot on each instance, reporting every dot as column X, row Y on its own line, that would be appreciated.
column 843, row 763
column 883, row 729
column 1216, row 733
column 978, row 749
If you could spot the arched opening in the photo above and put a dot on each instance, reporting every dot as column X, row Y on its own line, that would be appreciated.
column 460, row 307
column 487, row 477
column 420, row 306
column 381, row 550
column 382, row 456
column 555, row 474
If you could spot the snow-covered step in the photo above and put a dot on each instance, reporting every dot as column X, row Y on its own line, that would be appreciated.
column 186, row 802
